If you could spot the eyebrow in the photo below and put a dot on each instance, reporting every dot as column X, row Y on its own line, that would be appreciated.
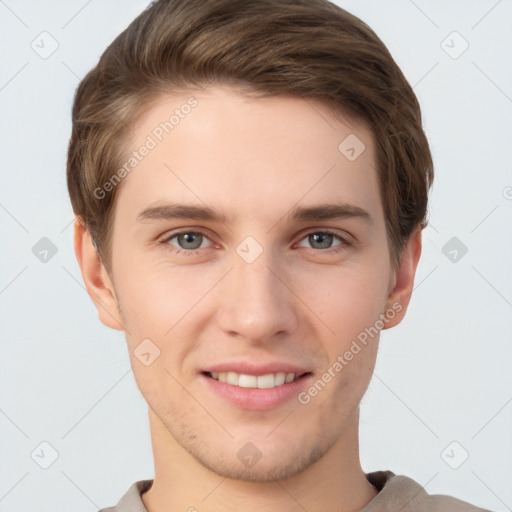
column 181, row 211
column 327, row 211
column 330, row 212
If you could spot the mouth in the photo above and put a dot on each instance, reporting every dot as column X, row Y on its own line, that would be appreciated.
column 267, row 381
column 255, row 386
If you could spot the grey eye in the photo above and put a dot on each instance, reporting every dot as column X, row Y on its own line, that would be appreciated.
column 322, row 240
column 189, row 240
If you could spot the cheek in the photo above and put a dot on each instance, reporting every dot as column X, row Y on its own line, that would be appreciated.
column 352, row 311
column 169, row 306
column 351, row 300
column 158, row 295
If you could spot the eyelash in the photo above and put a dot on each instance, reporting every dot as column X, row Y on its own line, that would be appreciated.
column 179, row 251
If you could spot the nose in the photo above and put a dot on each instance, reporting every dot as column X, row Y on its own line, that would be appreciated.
column 256, row 301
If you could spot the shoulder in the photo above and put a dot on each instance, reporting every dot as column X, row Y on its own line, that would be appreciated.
column 399, row 492
column 131, row 500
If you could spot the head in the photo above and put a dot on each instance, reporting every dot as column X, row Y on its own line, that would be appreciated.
column 240, row 104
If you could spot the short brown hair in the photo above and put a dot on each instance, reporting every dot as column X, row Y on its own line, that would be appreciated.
column 308, row 49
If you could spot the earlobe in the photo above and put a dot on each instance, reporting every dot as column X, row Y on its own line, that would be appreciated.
column 401, row 290
column 96, row 279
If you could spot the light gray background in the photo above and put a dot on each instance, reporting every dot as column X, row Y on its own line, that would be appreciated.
column 441, row 376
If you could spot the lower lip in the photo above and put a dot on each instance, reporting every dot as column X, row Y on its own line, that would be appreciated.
column 256, row 399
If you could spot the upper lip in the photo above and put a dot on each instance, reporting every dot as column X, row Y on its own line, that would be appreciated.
column 251, row 368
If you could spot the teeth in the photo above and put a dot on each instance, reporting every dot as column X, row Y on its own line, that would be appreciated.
column 270, row 380
column 232, row 378
column 266, row 381
column 246, row 381
column 280, row 378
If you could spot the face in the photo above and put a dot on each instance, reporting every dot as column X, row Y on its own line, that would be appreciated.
column 249, row 260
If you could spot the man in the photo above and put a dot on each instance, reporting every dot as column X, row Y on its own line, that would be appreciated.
column 250, row 182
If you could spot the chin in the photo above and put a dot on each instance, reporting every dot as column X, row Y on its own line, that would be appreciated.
column 266, row 469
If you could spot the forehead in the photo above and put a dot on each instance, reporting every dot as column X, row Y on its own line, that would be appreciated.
column 222, row 148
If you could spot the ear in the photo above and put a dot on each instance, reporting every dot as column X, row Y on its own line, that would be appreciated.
column 96, row 278
column 403, row 279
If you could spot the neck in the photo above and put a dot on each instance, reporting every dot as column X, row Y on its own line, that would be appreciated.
column 334, row 483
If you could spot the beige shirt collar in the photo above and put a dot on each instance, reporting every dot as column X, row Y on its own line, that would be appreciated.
column 396, row 492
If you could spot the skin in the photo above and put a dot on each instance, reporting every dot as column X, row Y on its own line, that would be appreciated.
column 299, row 301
